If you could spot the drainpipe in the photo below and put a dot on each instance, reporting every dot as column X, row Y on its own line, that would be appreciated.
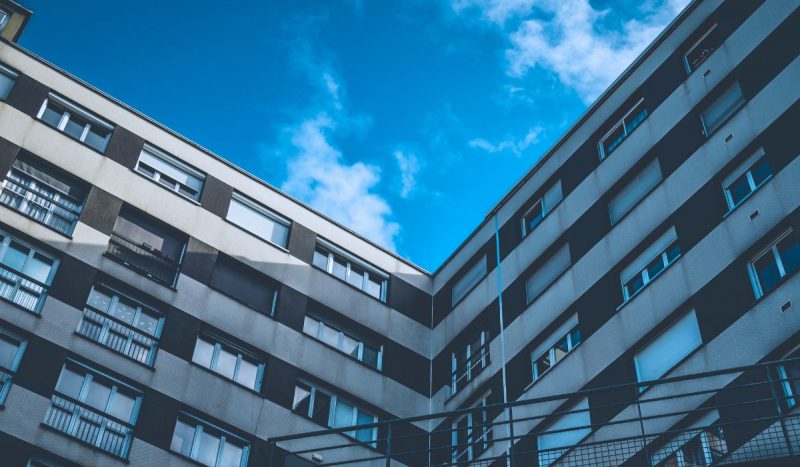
column 509, row 411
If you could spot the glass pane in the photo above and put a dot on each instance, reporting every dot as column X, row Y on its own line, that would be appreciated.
column 122, row 406
column 15, row 256
column 370, row 356
column 789, row 250
column 182, row 438
column 339, row 268
column 97, row 395
column 231, row 455
column 147, row 322
column 543, row 363
column 38, row 267
column 69, row 383
column 330, row 336
column 99, row 300
column 356, row 277
column 655, row 266
column 125, row 311
column 575, row 335
column 226, row 363
column 701, row 52
column 374, row 286
column 761, row 172
column 98, row 137
column 248, row 374
column 365, row 434
column 321, row 259
column 534, row 217
column 561, row 349
column 635, row 284
column 52, row 115
column 321, row 409
column 8, row 351
column 75, row 126
column 207, row 449
column 350, row 346
column 673, row 252
column 310, row 326
column 636, row 118
column 302, row 399
column 739, row 189
column 203, row 351
column 343, row 415
column 767, row 271
column 613, row 140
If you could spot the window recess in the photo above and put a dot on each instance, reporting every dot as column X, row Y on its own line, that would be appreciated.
column 541, row 208
column 468, row 281
column 748, row 177
column 702, row 49
column 170, row 172
column 207, row 444
column 229, row 361
column 650, row 264
column 471, row 434
column 370, row 355
column 722, row 108
column 469, row 361
column 8, row 77
column 620, row 131
column 258, row 220
column 771, row 265
column 25, row 273
column 327, row 409
column 635, row 191
column 75, row 121
column 355, row 272
column 669, row 348
column 11, row 350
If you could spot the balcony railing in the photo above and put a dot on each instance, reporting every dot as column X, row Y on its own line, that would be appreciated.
column 6, row 378
column 476, row 362
column 32, row 198
column 143, row 260
column 118, row 336
column 89, row 425
column 21, row 290
column 737, row 415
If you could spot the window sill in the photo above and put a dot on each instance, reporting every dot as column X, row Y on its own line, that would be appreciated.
column 31, row 218
column 274, row 245
column 744, row 200
column 115, row 352
column 636, row 294
column 183, row 197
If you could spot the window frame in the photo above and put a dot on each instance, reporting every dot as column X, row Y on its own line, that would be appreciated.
column 643, row 274
column 170, row 160
column 69, row 108
column 467, row 354
column 687, row 65
column 322, row 325
column 757, row 159
column 334, row 399
column 484, row 428
column 201, row 426
column 333, row 251
column 9, row 72
column 551, row 355
column 219, row 344
column 772, row 248
column 626, row 132
column 721, row 90
column 7, row 373
column 5, row 241
column 263, row 211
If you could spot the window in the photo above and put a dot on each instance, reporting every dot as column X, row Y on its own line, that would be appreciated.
column 370, row 355
column 746, row 179
column 7, row 76
column 356, row 273
column 76, row 122
column 245, row 284
column 547, row 273
column 541, row 208
column 11, row 350
column 706, row 448
column 722, row 108
column 702, row 49
column 124, row 324
column 258, row 220
column 147, row 246
column 229, row 361
column 170, row 172
column 789, row 379
column 667, row 349
column 549, row 358
column 94, row 408
column 636, row 190
column 25, row 273
column 469, row 361
column 622, row 129
column 4, row 17
column 327, row 409
column 469, row 280
column 208, row 444
column 775, row 262
column 564, row 433
column 650, row 264
column 43, row 194
column 471, row 434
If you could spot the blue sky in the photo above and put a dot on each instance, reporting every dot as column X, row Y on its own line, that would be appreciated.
column 405, row 120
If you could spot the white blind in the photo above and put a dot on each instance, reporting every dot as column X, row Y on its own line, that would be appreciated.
column 172, row 169
column 635, row 191
column 669, row 348
column 470, row 278
column 255, row 219
column 555, row 336
column 547, row 273
column 648, row 255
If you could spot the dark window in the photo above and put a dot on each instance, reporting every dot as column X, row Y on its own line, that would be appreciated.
column 771, row 265
column 244, row 284
column 76, row 121
column 702, row 49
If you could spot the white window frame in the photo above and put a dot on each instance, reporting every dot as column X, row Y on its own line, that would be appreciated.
column 644, row 274
column 333, row 251
column 224, row 436
column 220, row 344
column 7, row 381
column 467, row 376
column 177, row 164
column 262, row 211
column 5, row 242
column 551, row 353
column 69, row 109
column 8, row 72
column 548, row 201
column 689, row 69
column 322, row 325
column 730, row 112
column 5, row 18
column 751, row 268
column 332, row 410
column 457, row 452
column 626, row 131
column 746, row 169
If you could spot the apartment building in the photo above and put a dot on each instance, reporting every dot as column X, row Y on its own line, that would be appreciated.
column 631, row 301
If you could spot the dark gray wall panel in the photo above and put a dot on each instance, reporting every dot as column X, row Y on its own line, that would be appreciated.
column 216, row 196
column 28, row 95
column 8, row 152
column 302, row 242
column 409, row 300
column 72, row 282
column 101, row 210
column 199, row 261
column 124, row 147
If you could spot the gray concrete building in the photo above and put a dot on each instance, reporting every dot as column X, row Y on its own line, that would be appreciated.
column 631, row 301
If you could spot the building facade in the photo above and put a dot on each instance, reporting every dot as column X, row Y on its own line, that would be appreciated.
column 632, row 300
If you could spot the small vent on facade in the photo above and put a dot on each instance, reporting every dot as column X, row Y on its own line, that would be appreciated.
column 729, row 137
column 706, row 73
column 754, row 214
column 786, row 306
column 316, row 457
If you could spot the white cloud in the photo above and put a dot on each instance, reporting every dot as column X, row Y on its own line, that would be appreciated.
column 514, row 145
column 409, row 167
column 318, row 175
column 496, row 11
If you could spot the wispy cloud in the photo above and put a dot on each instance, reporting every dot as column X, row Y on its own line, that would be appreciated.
column 496, row 11
column 516, row 146
column 409, row 167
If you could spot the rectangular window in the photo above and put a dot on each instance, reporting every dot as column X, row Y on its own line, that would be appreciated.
column 370, row 355
column 702, row 49
column 665, row 351
column 566, row 432
column 245, row 284
column 469, row 280
column 147, row 246
column 44, row 194
column 469, row 361
column 124, row 324
column 94, row 408
column 207, row 444
column 351, row 270
column 11, row 350
column 789, row 380
column 549, row 358
column 259, row 220
column 327, row 409
column 722, row 108
column 636, row 190
column 541, row 208
column 650, row 264
column 25, row 273
column 547, row 273
column 471, row 434
column 76, row 122
column 746, row 179
column 8, row 78
column 229, row 361
column 170, row 172
column 781, row 259
column 706, row 448
column 622, row 129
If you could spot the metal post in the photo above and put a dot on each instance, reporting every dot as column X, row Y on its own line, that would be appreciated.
column 510, row 426
column 779, row 411
column 637, row 390
column 389, row 444
column 270, row 453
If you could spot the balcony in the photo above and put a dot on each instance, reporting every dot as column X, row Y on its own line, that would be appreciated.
column 119, row 336
column 21, row 290
column 35, row 199
column 88, row 425
column 6, row 378
column 143, row 259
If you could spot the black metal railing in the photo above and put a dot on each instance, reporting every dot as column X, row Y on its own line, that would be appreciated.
column 143, row 260
column 89, row 425
column 6, row 378
column 730, row 416
column 473, row 365
column 21, row 290
column 118, row 336
column 31, row 198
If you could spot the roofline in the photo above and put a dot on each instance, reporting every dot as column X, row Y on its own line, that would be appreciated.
column 212, row 154
column 575, row 126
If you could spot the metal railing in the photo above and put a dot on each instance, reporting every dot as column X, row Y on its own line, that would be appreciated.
column 472, row 366
column 730, row 416
column 21, row 290
column 53, row 209
column 89, row 425
column 6, row 378
column 143, row 260
column 118, row 336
